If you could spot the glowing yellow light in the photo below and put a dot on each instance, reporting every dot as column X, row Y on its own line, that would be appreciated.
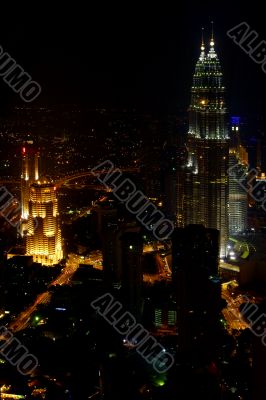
column 212, row 43
column 202, row 101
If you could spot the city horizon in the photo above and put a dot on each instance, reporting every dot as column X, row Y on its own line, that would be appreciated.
column 133, row 204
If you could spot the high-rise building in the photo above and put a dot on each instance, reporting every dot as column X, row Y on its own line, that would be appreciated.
column 165, row 315
column 169, row 180
column 122, row 268
column 206, row 175
column 238, row 192
column 43, row 240
column 195, row 252
column 30, row 174
column 131, row 252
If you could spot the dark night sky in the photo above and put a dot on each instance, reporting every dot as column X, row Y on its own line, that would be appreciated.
column 128, row 55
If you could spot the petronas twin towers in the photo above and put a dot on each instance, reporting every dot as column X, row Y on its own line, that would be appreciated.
column 207, row 110
column 205, row 196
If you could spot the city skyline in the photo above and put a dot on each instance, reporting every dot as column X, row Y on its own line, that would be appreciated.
column 133, row 204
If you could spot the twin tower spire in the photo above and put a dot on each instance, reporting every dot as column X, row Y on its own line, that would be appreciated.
column 211, row 53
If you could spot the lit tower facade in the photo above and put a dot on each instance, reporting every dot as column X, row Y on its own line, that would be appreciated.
column 206, row 175
column 238, row 188
column 30, row 174
column 43, row 240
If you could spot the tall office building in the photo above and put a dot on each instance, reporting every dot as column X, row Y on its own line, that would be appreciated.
column 30, row 174
column 131, row 252
column 43, row 240
column 195, row 252
column 206, row 176
column 169, row 180
column 238, row 193
column 122, row 256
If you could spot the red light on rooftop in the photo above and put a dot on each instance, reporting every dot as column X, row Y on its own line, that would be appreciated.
column 212, row 368
column 23, row 150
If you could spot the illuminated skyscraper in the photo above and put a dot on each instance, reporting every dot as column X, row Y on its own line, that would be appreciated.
column 30, row 174
column 238, row 192
column 43, row 240
column 206, row 176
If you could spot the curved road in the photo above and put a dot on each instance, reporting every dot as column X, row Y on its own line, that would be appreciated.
column 23, row 320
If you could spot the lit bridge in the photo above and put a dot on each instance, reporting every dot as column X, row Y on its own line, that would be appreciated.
column 61, row 181
column 78, row 175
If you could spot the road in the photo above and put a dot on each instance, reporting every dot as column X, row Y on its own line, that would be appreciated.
column 163, row 269
column 231, row 312
column 87, row 210
column 24, row 319
column 95, row 259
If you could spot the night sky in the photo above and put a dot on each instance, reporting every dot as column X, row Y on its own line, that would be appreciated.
column 129, row 56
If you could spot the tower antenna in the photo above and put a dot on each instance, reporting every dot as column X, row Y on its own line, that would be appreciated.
column 212, row 35
column 202, row 39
